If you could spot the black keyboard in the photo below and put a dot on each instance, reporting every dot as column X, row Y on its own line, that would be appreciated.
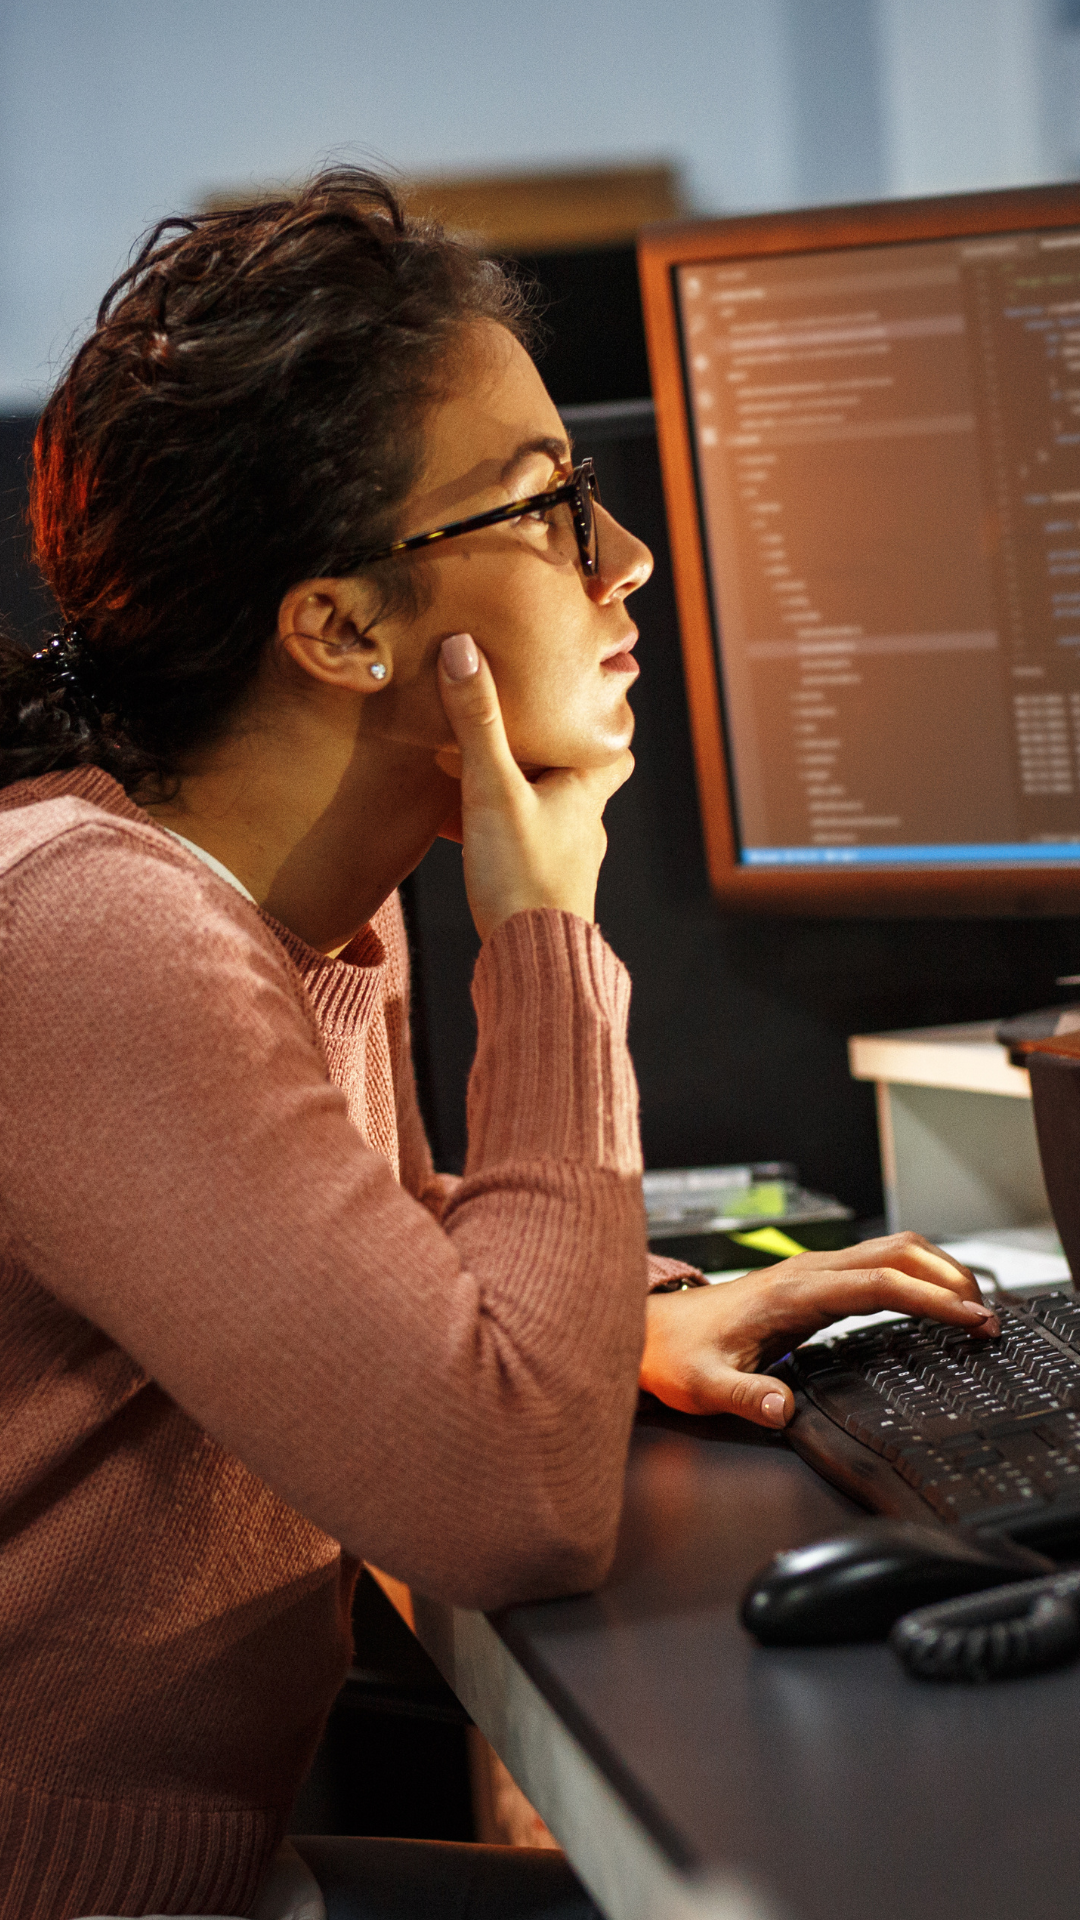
column 917, row 1419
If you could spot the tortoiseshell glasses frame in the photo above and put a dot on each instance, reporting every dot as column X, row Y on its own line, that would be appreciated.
column 579, row 492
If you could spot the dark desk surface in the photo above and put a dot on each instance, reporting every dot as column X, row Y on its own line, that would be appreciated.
column 839, row 1784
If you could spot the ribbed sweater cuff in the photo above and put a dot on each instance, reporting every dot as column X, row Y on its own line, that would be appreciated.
column 552, row 1077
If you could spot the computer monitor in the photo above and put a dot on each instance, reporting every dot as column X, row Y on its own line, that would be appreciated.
column 869, row 428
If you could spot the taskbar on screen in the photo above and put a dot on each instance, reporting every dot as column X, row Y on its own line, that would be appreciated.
column 997, row 854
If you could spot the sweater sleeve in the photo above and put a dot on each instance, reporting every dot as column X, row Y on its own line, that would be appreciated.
column 449, row 1400
column 662, row 1271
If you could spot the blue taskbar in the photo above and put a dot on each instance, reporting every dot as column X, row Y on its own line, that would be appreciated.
column 984, row 854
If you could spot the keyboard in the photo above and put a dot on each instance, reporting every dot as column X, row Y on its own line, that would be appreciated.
column 919, row 1420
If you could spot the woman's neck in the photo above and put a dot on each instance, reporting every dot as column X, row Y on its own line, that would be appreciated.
column 320, row 828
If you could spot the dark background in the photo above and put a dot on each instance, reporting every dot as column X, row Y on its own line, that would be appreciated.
column 739, row 1022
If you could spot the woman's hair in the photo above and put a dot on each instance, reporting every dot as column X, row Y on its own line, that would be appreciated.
column 247, row 413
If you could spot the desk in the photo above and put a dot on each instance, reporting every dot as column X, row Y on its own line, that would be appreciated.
column 661, row 1745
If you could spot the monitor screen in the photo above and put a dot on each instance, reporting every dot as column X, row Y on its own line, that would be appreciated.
column 869, row 423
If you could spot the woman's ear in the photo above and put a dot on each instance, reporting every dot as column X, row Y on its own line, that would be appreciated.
column 323, row 626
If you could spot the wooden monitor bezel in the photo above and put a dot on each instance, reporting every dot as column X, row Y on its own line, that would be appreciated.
column 974, row 890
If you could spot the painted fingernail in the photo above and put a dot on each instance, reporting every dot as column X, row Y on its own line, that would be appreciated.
column 774, row 1408
column 459, row 656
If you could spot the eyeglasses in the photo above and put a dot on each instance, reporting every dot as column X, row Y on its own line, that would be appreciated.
column 580, row 493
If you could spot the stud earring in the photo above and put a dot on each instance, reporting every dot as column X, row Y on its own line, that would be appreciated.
column 377, row 670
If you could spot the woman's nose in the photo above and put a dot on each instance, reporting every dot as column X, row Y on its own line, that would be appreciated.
column 624, row 562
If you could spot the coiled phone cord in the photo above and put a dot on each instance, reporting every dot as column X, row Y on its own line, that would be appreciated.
column 1024, row 1628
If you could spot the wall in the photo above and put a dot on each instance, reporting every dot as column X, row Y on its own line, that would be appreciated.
column 967, row 96
column 115, row 112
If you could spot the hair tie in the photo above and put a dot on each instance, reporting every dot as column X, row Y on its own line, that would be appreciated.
column 67, row 665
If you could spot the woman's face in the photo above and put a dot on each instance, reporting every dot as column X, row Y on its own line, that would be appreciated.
column 558, row 642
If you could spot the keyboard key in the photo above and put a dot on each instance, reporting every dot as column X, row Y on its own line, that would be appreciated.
column 944, row 1426
column 1025, row 1451
column 967, row 1502
column 1058, row 1429
column 1065, row 1499
column 882, row 1433
column 978, row 1457
column 920, row 1465
column 995, row 1430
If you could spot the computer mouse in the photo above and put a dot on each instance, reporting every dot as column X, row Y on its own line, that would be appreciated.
column 856, row 1586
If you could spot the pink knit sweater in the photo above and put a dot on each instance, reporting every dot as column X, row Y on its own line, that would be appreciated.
column 242, row 1321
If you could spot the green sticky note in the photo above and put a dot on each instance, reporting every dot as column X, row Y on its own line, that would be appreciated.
column 766, row 1196
column 769, row 1240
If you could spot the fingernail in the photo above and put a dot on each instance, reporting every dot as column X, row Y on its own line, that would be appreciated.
column 974, row 1310
column 774, row 1407
column 459, row 656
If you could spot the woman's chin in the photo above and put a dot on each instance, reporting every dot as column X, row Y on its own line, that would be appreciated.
column 593, row 742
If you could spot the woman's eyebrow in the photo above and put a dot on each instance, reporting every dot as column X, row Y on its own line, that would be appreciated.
column 558, row 451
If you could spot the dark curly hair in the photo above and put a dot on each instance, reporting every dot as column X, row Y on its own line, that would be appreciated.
column 247, row 413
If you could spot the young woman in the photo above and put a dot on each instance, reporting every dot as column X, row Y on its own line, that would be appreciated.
column 334, row 585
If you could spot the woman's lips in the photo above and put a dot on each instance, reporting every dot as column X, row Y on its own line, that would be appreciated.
column 620, row 661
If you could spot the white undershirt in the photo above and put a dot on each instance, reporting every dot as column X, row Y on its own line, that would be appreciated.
column 215, row 866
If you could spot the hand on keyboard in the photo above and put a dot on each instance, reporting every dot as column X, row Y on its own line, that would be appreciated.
column 702, row 1347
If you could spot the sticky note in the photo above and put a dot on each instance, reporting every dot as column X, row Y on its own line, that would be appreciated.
column 769, row 1240
column 764, row 1197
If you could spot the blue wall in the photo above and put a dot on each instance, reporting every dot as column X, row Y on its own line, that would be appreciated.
column 113, row 112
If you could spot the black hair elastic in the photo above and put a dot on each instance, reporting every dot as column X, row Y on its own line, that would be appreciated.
column 68, row 669
column 61, row 656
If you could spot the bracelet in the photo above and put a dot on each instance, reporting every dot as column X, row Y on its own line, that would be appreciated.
column 679, row 1283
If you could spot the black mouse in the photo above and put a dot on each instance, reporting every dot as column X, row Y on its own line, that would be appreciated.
column 856, row 1586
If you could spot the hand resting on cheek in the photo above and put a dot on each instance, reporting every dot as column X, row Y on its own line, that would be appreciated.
column 527, row 842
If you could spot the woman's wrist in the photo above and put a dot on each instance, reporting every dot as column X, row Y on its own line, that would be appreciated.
column 552, row 1078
